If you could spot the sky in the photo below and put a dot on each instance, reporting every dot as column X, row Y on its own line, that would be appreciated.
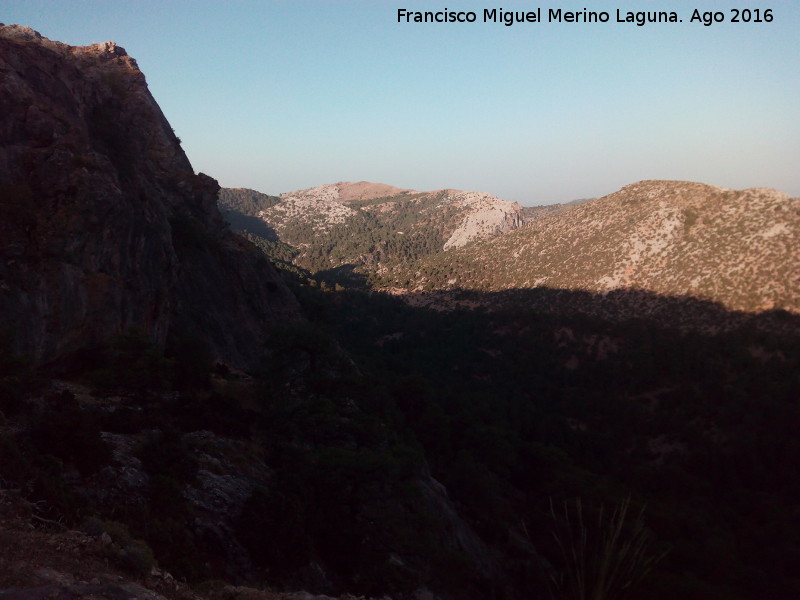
column 285, row 95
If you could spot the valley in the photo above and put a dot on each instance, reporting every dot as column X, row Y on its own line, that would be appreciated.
column 362, row 391
column 655, row 250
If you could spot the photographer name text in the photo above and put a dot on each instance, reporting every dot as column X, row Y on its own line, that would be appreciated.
column 508, row 18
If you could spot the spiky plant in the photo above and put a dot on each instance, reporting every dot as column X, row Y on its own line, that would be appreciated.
column 603, row 559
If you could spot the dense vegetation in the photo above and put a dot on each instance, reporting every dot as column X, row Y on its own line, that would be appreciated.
column 514, row 411
column 535, row 402
column 389, row 230
column 515, row 408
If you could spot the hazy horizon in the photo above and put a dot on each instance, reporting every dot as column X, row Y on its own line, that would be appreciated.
column 281, row 96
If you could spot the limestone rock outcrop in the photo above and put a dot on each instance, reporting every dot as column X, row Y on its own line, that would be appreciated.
column 485, row 216
column 104, row 226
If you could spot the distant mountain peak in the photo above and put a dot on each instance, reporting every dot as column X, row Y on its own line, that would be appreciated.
column 346, row 192
column 365, row 190
column 667, row 188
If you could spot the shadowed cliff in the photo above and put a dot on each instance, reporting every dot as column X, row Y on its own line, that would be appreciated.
column 104, row 225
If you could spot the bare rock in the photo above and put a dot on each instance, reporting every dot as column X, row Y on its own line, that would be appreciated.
column 50, row 576
column 103, row 224
column 484, row 216
column 87, row 591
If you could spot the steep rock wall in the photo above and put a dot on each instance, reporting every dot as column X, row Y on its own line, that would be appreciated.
column 103, row 224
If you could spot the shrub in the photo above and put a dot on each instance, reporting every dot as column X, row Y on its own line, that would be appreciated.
column 14, row 465
column 53, row 497
column 690, row 218
column 17, row 378
column 166, row 455
column 132, row 363
column 128, row 552
column 601, row 560
column 70, row 434
column 193, row 363
column 273, row 528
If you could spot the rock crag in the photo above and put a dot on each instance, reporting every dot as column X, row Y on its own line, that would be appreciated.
column 485, row 216
column 104, row 226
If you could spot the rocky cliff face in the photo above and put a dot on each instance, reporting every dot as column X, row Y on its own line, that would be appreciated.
column 484, row 216
column 103, row 224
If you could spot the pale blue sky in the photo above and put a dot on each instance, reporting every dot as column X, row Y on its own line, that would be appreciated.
column 279, row 96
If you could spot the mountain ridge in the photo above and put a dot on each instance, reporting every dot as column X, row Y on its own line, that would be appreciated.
column 332, row 225
column 663, row 238
column 484, row 214
column 666, row 237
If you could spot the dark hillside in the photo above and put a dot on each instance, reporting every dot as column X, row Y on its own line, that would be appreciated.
column 517, row 408
column 432, row 452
